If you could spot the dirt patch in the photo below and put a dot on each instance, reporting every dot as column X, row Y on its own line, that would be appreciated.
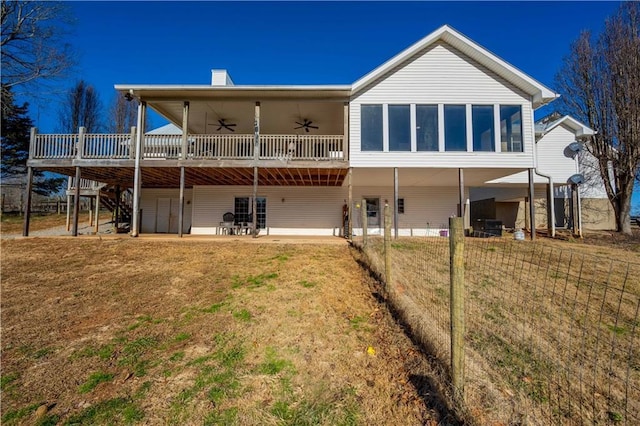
column 190, row 332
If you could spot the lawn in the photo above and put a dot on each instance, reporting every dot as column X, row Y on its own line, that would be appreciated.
column 128, row 331
column 12, row 223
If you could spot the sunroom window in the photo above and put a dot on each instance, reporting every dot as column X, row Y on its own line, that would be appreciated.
column 483, row 132
column 511, row 128
column 371, row 128
column 455, row 128
column 399, row 128
column 427, row 127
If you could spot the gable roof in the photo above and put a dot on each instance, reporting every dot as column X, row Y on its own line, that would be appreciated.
column 540, row 93
column 580, row 129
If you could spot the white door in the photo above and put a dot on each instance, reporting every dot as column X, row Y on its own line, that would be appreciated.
column 167, row 215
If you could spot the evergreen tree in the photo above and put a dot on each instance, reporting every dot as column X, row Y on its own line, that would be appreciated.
column 15, row 134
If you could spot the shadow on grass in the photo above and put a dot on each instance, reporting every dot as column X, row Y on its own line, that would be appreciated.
column 430, row 389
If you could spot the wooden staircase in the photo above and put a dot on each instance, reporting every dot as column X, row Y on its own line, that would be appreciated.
column 122, row 211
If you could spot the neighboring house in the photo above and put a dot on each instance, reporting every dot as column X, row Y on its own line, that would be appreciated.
column 443, row 116
column 560, row 155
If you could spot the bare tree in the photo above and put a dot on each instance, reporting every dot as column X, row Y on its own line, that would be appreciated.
column 82, row 107
column 600, row 83
column 32, row 43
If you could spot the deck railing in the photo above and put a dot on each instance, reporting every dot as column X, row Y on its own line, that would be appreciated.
column 54, row 146
column 115, row 146
column 199, row 146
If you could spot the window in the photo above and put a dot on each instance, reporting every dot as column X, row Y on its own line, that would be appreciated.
column 399, row 128
column 243, row 210
column 427, row 127
column 483, row 132
column 455, row 128
column 511, row 128
column 371, row 128
column 401, row 205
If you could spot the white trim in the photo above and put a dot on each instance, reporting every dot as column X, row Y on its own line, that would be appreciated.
column 469, row 127
column 441, row 147
column 496, row 124
column 413, row 127
column 385, row 127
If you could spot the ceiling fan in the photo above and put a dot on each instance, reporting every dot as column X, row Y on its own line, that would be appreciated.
column 222, row 123
column 306, row 125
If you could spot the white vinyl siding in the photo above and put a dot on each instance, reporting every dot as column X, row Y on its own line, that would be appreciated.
column 149, row 205
column 290, row 210
column 442, row 76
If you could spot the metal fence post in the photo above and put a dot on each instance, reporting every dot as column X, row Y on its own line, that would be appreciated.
column 363, row 213
column 387, row 244
column 456, row 253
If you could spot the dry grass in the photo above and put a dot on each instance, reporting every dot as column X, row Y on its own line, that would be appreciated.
column 155, row 332
column 12, row 223
column 552, row 327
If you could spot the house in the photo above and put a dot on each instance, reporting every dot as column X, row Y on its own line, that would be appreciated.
column 418, row 132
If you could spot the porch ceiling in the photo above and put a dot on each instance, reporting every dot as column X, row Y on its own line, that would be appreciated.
column 426, row 176
column 276, row 117
column 169, row 177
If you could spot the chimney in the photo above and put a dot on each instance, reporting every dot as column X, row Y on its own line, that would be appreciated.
column 220, row 78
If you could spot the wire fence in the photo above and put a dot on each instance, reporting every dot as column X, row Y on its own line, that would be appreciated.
column 551, row 335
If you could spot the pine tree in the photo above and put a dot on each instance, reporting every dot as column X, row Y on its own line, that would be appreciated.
column 15, row 134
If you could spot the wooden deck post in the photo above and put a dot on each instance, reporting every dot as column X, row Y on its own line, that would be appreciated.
column 181, row 205
column 395, row 202
column 97, row 215
column 76, row 203
column 137, row 176
column 116, row 220
column 68, row 204
column 532, row 207
column 27, row 205
column 256, row 153
column 345, row 137
column 456, row 273
column 185, row 132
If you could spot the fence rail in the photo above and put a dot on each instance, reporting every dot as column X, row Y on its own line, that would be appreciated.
column 199, row 146
column 551, row 335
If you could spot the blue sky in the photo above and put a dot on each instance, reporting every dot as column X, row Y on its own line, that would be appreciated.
column 121, row 42
column 301, row 42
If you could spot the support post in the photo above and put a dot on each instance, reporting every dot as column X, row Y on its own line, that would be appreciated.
column 395, row 202
column 350, row 208
column 137, row 175
column 387, row 245
column 76, row 203
column 185, row 132
column 456, row 250
column 90, row 211
column 68, row 204
column 532, row 206
column 345, row 136
column 181, row 208
column 116, row 219
column 363, row 213
column 256, row 153
column 97, row 215
column 461, row 193
column 27, row 205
